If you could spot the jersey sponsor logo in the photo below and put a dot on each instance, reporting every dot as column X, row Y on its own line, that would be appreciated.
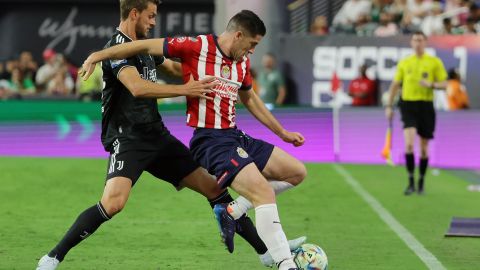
column 149, row 74
column 227, row 88
column 242, row 152
column 225, row 72
column 116, row 63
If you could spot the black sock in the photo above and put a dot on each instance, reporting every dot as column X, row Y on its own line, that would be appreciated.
column 85, row 225
column 224, row 197
column 247, row 231
column 410, row 164
column 245, row 227
column 423, row 170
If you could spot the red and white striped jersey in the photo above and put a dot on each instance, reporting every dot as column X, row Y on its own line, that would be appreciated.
column 201, row 57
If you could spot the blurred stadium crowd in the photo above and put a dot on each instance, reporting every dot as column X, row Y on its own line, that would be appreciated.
column 393, row 17
column 21, row 77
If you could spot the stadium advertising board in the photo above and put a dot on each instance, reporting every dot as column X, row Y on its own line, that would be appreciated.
column 313, row 67
column 75, row 29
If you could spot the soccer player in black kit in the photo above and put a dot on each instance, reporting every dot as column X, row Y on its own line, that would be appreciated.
column 134, row 134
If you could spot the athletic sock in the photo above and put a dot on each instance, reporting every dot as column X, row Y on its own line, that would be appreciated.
column 271, row 232
column 410, row 165
column 245, row 227
column 85, row 225
column 241, row 205
column 422, row 171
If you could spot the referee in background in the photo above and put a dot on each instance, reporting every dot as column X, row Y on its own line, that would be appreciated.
column 418, row 75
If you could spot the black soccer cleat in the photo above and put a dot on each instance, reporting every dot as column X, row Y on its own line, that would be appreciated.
column 410, row 189
column 226, row 225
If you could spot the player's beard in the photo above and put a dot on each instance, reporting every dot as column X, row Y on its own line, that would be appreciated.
column 142, row 33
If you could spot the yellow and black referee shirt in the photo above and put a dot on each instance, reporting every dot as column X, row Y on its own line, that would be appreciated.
column 412, row 69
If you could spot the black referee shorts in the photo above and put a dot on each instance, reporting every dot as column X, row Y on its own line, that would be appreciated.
column 170, row 162
column 420, row 115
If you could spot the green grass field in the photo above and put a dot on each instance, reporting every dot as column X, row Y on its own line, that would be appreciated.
column 164, row 229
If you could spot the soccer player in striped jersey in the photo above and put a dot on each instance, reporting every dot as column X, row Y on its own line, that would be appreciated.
column 134, row 133
column 256, row 169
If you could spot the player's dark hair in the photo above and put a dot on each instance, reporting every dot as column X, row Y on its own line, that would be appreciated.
column 247, row 21
column 127, row 5
column 420, row 33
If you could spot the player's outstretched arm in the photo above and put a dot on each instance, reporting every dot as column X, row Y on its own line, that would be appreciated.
column 141, row 88
column 171, row 68
column 392, row 93
column 257, row 108
column 122, row 51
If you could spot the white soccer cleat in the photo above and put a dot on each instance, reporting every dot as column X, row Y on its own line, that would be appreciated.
column 47, row 263
column 297, row 242
column 267, row 259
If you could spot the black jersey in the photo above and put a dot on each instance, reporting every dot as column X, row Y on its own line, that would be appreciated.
column 135, row 121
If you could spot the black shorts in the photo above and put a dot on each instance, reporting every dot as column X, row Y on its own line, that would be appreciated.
column 171, row 161
column 420, row 115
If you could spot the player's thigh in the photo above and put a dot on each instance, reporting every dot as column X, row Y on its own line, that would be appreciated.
column 173, row 163
column 427, row 120
column 284, row 167
column 409, row 114
column 128, row 163
column 202, row 182
column 250, row 183
column 115, row 194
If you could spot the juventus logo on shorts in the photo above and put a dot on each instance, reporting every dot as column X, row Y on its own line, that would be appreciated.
column 114, row 164
column 119, row 165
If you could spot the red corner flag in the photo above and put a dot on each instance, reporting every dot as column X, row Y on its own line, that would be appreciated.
column 335, row 83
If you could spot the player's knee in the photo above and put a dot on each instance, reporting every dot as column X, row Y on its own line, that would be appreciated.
column 114, row 205
column 300, row 174
column 409, row 148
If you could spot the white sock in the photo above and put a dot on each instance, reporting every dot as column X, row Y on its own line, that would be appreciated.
column 241, row 205
column 270, row 231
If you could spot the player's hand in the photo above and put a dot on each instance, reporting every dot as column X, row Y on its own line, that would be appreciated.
column 87, row 68
column 425, row 83
column 294, row 138
column 389, row 113
column 201, row 88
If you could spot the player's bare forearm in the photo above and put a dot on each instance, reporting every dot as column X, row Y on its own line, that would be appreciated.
column 129, row 49
column 171, row 68
column 257, row 108
column 141, row 88
column 393, row 91
column 442, row 85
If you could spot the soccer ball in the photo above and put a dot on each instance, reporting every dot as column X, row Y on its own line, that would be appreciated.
column 310, row 257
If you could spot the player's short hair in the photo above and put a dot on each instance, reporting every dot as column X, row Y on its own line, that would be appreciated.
column 127, row 5
column 247, row 21
column 419, row 33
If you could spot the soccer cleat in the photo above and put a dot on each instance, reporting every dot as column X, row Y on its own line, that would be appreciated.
column 297, row 242
column 409, row 190
column 226, row 225
column 420, row 191
column 47, row 263
column 294, row 244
